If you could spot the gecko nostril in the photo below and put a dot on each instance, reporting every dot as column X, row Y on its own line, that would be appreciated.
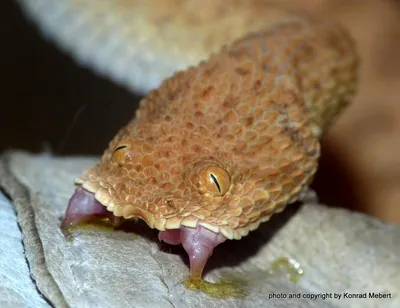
column 170, row 203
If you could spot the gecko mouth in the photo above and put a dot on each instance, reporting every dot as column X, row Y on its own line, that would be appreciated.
column 199, row 242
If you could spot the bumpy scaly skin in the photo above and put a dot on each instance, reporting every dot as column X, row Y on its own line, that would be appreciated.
column 254, row 110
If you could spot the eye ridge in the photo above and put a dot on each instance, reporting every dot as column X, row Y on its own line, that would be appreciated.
column 213, row 177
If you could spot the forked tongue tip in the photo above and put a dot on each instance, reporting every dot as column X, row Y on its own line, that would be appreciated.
column 198, row 242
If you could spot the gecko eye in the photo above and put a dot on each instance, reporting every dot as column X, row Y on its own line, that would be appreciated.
column 120, row 153
column 215, row 180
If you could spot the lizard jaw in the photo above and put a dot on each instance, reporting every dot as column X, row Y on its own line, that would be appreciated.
column 198, row 242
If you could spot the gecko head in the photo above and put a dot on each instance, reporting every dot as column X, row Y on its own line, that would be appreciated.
column 196, row 196
column 200, row 173
column 172, row 183
column 191, row 187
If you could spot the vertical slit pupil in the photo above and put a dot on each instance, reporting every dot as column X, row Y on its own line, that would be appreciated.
column 212, row 176
column 120, row 148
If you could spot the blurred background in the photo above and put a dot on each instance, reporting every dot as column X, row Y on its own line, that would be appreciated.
column 50, row 103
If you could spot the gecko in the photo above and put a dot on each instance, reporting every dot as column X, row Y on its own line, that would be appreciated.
column 221, row 146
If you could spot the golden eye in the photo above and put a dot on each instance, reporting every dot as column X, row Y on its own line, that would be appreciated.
column 215, row 180
column 119, row 154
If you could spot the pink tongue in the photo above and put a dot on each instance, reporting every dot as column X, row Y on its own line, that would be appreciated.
column 198, row 242
column 82, row 207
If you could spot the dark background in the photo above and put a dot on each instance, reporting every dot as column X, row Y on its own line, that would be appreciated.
column 48, row 100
